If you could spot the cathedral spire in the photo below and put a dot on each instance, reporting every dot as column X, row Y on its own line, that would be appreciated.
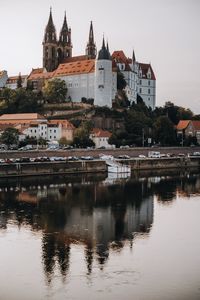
column 50, row 25
column 91, row 34
column 64, row 44
column 133, row 57
column 50, row 45
column 91, row 47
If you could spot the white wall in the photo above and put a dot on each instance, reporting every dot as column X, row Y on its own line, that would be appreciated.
column 103, row 83
column 81, row 85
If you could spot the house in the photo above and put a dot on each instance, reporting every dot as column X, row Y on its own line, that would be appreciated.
column 36, row 126
column 188, row 128
column 12, row 81
column 100, row 138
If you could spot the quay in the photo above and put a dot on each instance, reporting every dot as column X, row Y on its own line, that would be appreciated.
column 22, row 169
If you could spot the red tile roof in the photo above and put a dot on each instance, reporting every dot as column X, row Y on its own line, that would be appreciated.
column 97, row 132
column 75, row 58
column 65, row 123
column 144, row 68
column 120, row 57
column 196, row 124
column 183, row 124
column 40, row 73
column 74, row 68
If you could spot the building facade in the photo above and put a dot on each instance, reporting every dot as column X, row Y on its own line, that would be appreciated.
column 92, row 75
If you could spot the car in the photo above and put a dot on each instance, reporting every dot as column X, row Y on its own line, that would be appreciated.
column 124, row 156
column 87, row 157
column 141, row 156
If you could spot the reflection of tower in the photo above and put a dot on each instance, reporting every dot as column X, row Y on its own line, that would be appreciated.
column 89, row 257
column 55, row 249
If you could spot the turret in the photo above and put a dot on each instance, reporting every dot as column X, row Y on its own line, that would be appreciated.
column 103, row 77
column 50, row 46
column 91, row 47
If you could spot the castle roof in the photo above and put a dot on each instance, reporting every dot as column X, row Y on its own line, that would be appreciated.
column 120, row 57
column 75, row 58
column 77, row 67
column 145, row 68
column 104, row 52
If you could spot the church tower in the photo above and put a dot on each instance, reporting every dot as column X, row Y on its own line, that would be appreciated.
column 50, row 46
column 64, row 43
column 103, row 77
column 91, row 47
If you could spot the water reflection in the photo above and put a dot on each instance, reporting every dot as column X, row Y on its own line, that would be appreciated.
column 89, row 211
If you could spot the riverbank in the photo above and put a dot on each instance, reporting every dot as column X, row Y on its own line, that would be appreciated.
column 93, row 166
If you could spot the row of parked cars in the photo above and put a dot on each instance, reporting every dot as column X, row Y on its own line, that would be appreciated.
column 44, row 159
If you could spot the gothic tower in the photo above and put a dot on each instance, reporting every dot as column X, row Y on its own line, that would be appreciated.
column 64, row 44
column 50, row 46
column 91, row 47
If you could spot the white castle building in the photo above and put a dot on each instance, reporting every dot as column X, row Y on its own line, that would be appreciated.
column 93, row 75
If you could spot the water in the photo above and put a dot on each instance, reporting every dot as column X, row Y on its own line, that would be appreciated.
column 100, row 238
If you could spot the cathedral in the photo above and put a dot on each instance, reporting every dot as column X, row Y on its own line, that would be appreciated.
column 92, row 75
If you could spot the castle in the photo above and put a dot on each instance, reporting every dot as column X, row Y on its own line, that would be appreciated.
column 92, row 75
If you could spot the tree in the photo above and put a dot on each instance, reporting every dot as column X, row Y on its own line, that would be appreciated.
column 164, row 131
column 55, row 91
column 81, row 136
column 10, row 136
column 19, row 81
column 121, row 82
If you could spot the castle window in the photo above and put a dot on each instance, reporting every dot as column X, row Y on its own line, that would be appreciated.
column 149, row 82
column 140, row 82
column 140, row 90
column 149, row 91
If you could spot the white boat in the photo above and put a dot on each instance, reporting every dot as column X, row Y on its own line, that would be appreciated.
column 116, row 167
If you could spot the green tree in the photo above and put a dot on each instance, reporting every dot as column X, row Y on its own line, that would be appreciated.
column 81, row 136
column 164, row 131
column 10, row 136
column 55, row 91
column 19, row 81
column 121, row 82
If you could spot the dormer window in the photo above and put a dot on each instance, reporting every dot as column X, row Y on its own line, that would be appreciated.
column 149, row 75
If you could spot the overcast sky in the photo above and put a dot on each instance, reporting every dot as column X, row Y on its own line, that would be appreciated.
column 162, row 32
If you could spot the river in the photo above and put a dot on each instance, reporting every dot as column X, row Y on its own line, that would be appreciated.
column 96, row 237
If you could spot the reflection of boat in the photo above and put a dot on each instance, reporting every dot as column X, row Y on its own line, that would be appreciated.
column 116, row 178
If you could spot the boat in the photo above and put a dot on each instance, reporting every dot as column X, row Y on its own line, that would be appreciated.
column 114, row 166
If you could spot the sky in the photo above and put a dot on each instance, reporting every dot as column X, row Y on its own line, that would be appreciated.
column 164, row 33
